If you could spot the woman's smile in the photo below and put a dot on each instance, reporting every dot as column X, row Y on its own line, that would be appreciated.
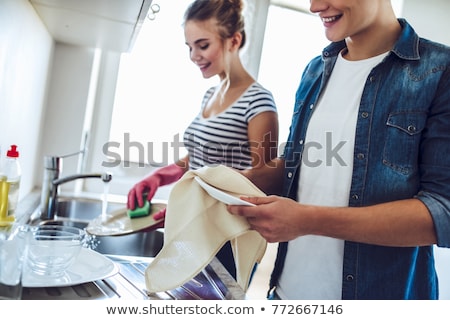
column 328, row 21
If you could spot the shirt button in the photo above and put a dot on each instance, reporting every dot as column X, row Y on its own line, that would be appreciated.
column 311, row 106
column 365, row 115
column 289, row 175
column 360, row 156
column 301, row 142
column 350, row 277
column 411, row 129
column 355, row 197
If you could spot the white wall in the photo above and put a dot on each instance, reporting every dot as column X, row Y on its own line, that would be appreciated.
column 25, row 58
column 429, row 18
column 66, row 105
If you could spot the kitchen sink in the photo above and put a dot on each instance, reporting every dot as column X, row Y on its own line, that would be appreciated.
column 79, row 212
column 83, row 209
column 139, row 244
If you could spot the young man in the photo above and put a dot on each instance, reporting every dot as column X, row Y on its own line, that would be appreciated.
column 366, row 171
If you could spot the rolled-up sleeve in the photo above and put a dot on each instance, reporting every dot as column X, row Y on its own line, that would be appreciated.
column 439, row 208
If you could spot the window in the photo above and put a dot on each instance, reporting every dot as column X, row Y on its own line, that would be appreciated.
column 159, row 91
column 288, row 47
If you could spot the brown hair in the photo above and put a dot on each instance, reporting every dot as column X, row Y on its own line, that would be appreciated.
column 228, row 14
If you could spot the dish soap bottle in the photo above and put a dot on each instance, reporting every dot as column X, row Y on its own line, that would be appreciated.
column 12, row 170
column 4, row 190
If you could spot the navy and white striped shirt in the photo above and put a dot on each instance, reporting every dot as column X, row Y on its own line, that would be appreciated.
column 223, row 138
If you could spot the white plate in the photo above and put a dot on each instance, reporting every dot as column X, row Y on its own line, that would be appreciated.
column 89, row 266
column 220, row 195
column 118, row 223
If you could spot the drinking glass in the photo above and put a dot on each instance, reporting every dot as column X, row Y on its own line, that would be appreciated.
column 13, row 249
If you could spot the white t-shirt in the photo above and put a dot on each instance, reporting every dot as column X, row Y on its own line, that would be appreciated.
column 313, row 266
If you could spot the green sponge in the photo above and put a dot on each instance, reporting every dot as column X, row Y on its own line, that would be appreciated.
column 140, row 211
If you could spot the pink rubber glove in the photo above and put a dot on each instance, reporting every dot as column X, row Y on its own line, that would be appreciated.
column 160, row 215
column 151, row 183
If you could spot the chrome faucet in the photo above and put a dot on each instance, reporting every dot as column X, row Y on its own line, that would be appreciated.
column 52, row 181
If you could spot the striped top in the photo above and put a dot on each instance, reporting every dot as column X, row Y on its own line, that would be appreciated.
column 223, row 138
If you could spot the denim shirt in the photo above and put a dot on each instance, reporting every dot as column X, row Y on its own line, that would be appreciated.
column 402, row 151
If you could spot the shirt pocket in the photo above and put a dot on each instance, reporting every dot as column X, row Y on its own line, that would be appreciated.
column 403, row 134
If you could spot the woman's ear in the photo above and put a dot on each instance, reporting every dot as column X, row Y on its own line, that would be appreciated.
column 236, row 40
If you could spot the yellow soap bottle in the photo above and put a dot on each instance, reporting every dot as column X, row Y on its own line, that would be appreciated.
column 5, row 219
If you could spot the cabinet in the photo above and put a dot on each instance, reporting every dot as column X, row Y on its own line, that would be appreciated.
column 107, row 24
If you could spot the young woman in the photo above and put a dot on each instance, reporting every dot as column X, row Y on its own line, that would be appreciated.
column 237, row 125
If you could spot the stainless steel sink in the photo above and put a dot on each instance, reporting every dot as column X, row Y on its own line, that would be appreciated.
column 79, row 212
column 83, row 209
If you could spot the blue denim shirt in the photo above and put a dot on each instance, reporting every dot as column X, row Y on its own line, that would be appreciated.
column 402, row 151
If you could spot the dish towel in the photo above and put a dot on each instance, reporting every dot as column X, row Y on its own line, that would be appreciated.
column 197, row 226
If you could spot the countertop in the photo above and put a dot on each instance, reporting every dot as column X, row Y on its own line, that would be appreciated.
column 212, row 283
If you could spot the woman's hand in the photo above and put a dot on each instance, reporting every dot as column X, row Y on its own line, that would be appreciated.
column 151, row 183
column 147, row 186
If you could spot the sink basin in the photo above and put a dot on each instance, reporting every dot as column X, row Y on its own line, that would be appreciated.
column 83, row 209
column 140, row 244
column 79, row 212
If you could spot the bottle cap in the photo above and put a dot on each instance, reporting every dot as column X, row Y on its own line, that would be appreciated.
column 13, row 153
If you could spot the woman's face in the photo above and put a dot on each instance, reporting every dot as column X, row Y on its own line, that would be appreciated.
column 347, row 18
column 205, row 47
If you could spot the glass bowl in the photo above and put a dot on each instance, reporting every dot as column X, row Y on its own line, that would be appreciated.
column 53, row 248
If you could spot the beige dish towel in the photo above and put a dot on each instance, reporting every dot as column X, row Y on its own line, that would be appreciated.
column 197, row 226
